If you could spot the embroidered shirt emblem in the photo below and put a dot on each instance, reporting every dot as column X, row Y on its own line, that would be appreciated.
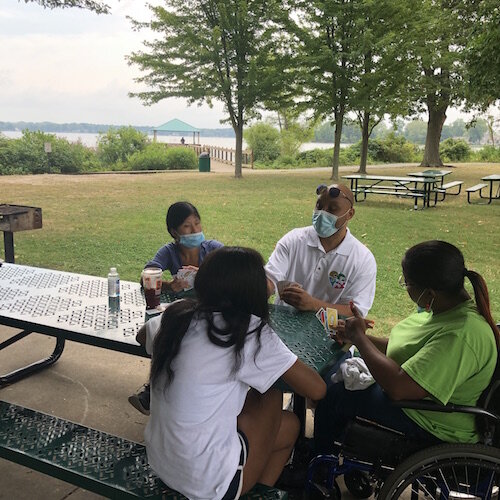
column 337, row 280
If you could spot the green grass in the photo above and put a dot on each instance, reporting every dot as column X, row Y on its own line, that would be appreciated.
column 93, row 222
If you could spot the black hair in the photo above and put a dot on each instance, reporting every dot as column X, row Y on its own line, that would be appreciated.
column 177, row 213
column 232, row 281
column 440, row 266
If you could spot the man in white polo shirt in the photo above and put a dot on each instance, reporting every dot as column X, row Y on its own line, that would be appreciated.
column 331, row 266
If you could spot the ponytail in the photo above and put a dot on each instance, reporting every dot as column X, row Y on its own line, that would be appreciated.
column 174, row 324
column 482, row 298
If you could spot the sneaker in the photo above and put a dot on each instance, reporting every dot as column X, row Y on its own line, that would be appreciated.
column 140, row 400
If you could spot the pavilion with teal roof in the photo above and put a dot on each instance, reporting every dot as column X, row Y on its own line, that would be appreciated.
column 178, row 126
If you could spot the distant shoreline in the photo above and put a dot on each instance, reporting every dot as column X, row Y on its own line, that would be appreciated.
column 93, row 128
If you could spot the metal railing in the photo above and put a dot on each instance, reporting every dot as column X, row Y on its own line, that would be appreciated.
column 221, row 154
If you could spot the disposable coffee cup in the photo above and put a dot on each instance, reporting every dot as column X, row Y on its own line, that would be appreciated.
column 151, row 281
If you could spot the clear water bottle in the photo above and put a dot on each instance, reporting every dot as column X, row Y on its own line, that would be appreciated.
column 113, row 289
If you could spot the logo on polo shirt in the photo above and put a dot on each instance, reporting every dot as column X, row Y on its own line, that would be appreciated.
column 337, row 280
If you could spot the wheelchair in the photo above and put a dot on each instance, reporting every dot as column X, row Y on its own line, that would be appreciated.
column 379, row 461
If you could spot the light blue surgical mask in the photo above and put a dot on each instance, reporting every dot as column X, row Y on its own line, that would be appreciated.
column 421, row 309
column 192, row 240
column 324, row 223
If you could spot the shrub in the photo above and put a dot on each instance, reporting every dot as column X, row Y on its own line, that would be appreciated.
column 181, row 158
column 119, row 144
column 159, row 157
column 395, row 149
column 264, row 140
column 454, row 150
column 489, row 153
column 27, row 155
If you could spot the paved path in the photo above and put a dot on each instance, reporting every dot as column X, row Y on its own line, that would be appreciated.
column 225, row 168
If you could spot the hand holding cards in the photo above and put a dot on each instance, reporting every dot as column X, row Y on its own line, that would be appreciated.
column 281, row 285
column 329, row 318
column 187, row 274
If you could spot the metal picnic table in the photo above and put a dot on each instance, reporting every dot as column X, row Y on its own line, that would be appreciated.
column 75, row 307
column 491, row 179
column 401, row 186
column 433, row 174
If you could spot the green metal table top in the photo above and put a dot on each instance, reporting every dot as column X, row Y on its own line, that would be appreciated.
column 75, row 307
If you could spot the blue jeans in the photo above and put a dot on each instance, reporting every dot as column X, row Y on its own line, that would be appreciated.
column 340, row 406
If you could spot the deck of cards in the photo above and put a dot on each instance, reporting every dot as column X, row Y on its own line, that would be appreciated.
column 329, row 318
column 187, row 274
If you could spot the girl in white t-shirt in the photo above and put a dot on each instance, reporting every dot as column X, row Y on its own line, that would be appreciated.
column 217, row 427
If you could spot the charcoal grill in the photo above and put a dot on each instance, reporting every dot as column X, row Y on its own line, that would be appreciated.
column 17, row 218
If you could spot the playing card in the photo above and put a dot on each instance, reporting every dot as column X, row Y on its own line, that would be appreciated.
column 187, row 275
column 332, row 318
column 281, row 285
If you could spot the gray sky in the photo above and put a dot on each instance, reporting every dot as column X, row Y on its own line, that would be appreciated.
column 69, row 66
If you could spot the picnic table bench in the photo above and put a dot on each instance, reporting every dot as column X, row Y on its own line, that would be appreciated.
column 94, row 460
column 417, row 188
column 490, row 179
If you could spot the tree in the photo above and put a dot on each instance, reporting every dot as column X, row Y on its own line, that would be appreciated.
column 415, row 131
column 98, row 7
column 442, row 33
column 483, row 56
column 211, row 49
column 476, row 131
column 325, row 36
column 384, row 75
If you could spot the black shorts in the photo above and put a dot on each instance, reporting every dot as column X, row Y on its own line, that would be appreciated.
column 234, row 490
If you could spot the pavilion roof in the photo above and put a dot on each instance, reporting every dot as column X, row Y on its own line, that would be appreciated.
column 176, row 125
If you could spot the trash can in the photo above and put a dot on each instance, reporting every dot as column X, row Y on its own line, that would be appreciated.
column 204, row 162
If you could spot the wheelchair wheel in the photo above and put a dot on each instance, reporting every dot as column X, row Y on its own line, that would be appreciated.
column 359, row 484
column 447, row 471
column 321, row 492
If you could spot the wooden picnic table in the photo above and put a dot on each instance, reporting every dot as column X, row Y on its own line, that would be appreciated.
column 400, row 186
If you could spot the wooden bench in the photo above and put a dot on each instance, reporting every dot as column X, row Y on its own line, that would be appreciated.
column 478, row 187
column 443, row 190
column 96, row 461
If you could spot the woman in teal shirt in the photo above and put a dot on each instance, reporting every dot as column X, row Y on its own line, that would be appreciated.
column 447, row 352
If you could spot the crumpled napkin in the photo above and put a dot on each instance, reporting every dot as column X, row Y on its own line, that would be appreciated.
column 355, row 374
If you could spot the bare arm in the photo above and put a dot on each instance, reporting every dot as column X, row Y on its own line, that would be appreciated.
column 141, row 336
column 300, row 299
column 305, row 381
column 388, row 374
column 379, row 342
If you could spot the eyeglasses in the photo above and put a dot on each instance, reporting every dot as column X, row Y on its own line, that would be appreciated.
column 333, row 192
column 402, row 282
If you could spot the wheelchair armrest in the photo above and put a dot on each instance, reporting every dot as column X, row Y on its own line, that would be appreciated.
column 449, row 408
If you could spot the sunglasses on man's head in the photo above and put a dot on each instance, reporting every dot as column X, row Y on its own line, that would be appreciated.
column 333, row 192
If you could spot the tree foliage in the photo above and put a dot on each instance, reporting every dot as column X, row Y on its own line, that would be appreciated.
column 209, row 50
column 98, row 7
column 264, row 140
column 117, row 145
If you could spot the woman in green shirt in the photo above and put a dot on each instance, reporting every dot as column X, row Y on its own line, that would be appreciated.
column 447, row 352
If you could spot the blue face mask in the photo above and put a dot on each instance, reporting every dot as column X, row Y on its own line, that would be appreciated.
column 324, row 223
column 421, row 309
column 192, row 240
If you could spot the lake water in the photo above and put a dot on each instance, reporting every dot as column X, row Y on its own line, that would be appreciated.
column 90, row 140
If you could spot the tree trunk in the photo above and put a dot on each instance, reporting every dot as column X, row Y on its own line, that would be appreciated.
column 238, row 130
column 365, row 135
column 437, row 117
column 339, row 118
